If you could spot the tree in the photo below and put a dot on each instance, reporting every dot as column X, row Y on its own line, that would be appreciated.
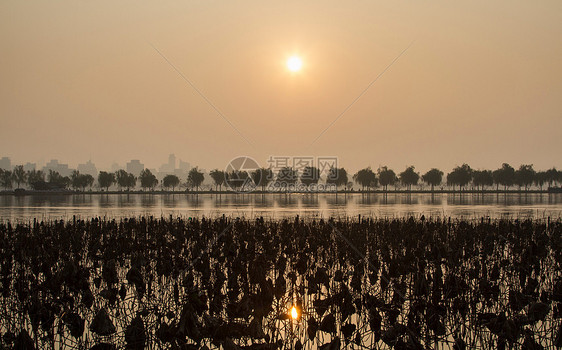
column 121, row 178
column 525, row 176
column 6, row 178
column 337, row 177
column 433, row 177
column 386, row 177
column 482, row 178
column 451, row 180
column 88, row 181
column 81, row 180
column 58, row 181
column 461, row 175
column 504, row 176
column 125, row 179
column 365, row 178
column 195, row 178
column 76, row 179
column 496, row 176
column 553, row 176
column 238, row 180
column 310, row 175
column 541, row 178
column 106, row 179
column 262, row 177
column 409, row 177
column 287, row 176
column 170, row 181
column 54, row 176
column 148, row 179
column 19, row 175
column 36, row 179
column 218, row 178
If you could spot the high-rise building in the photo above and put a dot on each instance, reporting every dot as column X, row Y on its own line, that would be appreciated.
column 182, row 170
column 172, row 161
column 5, row 163
column 29, row 166
column 88, row 168
column 170, row 167
column 54, row 165
column 115, row 167
column 135, row 167
column 184, row 166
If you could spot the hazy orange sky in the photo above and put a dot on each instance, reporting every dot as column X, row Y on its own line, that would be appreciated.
column 481, row 84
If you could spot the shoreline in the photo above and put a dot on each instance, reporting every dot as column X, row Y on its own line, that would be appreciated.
column 344, row 192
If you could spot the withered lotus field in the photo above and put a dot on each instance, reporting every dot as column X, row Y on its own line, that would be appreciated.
column 176, row 283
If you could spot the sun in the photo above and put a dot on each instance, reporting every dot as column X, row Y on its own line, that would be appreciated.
column 294, row 63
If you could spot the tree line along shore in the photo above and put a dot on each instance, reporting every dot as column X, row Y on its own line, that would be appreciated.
column 68, row 192
column 505, row 179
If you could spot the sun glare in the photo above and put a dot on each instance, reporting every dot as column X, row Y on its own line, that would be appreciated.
column 294, row 63
column 294, row 313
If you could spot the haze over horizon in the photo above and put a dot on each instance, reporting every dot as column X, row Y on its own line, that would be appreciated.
column 480, row 84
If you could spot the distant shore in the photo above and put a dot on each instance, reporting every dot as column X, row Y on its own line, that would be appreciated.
column 345, row 192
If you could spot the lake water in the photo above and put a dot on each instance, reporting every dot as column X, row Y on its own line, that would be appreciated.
column 43, row 207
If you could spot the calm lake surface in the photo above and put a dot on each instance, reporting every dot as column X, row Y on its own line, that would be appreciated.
column 44, row 207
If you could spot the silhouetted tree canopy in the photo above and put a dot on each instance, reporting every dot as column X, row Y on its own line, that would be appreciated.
column 75, row 179
column 218, row 177
column 148, row 179
column 125, row 179
column 541, row 178
column 481, row 178
column 57, row 181
column 36, row 179
column 409, row 177
column 525, row 176
column 461, row 175
column 106, row 179
column 171, row 181
column 553, row 175
column 433, row 177
column 19, row 175
column 6, row 178
column 365, row 178
column 337, row 177
column 386, row 177
column 78, row 180
column 82, row 181
column 287, row 176
column 89, row 181
column 262, row 177
column 310, row 175
column 195, row 178
column 239, row 180
column 504, row 176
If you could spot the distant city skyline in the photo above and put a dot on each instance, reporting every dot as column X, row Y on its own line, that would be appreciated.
column 180, row 168
column 135, row 166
